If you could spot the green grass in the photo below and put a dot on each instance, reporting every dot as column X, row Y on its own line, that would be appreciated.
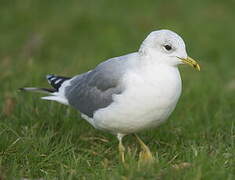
column 40, row 139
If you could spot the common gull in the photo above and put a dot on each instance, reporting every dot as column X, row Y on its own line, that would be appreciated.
column 127, row 94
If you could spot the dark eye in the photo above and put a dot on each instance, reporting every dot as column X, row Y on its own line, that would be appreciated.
column 167, row 47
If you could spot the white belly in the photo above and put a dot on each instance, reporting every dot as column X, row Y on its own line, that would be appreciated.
column 146, row 102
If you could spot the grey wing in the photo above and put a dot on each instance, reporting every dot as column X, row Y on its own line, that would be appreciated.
column 93, row 90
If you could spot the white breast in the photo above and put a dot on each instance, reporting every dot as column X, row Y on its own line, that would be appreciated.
column 149, row 98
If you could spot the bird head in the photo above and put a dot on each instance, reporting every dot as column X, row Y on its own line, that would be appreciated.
column 166, row 47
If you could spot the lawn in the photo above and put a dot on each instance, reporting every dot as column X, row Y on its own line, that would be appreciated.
column 41, row 139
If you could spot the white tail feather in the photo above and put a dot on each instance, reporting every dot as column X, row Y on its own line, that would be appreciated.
column 59, row 99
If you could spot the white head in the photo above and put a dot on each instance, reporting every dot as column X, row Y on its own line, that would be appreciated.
column 166, row 47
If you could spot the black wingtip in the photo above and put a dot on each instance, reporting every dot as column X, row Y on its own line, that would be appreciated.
column 42, row 90
column 56, row 81
column 49, row 76
column 21, row 89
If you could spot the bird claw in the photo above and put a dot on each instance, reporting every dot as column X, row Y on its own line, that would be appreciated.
column 146, row 157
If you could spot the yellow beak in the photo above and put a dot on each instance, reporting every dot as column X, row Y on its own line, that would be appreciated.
column 190, row 61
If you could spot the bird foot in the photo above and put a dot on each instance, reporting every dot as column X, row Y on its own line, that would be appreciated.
column 145, row 156
column 122, row 152
column 121, row 148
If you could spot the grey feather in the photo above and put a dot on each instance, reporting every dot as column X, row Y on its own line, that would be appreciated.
column 93, row 90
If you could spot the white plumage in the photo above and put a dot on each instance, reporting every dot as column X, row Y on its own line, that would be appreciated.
column 150, row 96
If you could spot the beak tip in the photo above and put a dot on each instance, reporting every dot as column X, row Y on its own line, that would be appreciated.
column 191, row 62
column 197, row 67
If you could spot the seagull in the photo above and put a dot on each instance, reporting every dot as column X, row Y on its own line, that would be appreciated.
column 130, row 93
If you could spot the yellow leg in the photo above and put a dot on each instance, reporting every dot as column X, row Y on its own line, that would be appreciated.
column 145, row 155
column 121, row 148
